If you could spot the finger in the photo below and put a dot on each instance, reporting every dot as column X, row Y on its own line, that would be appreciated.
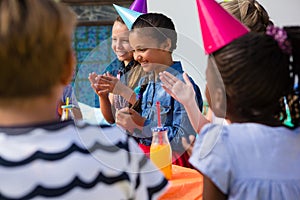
column 192, row 139
column 165, row 82
column 185, row 143
column 107, row 78
column 170, row 77
column 109, row 74
column 169, row 91
column 102, row 92
column 186, row 79
column 101, row 86
column 92, row 77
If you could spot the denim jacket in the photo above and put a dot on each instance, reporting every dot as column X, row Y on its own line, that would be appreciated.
column 173, row 114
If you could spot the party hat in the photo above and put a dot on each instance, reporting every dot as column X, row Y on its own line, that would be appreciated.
column 218, row 27
column 139, row 6
column 128, row 16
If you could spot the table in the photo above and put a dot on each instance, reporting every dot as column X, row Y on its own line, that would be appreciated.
column 185, row 184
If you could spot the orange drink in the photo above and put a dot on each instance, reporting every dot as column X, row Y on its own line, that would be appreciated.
column 161, row 152
column 161, row 156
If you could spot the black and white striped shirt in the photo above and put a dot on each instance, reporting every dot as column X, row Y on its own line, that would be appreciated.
column 62, row 160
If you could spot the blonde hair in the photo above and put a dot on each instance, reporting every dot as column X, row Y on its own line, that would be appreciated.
column 136, row 73
column 35, row 40
column 249, row 12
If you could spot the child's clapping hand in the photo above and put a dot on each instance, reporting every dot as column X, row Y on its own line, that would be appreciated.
column 182, row 92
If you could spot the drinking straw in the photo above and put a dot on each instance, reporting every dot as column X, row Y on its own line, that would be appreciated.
column 67, row 103
column 158, row 114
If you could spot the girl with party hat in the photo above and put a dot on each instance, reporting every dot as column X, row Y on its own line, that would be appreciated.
column 249, row 77
column 153, row 38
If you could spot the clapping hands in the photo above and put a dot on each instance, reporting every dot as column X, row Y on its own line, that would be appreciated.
column 104, row 84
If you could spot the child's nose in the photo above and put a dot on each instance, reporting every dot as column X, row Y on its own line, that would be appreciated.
column 137, row 57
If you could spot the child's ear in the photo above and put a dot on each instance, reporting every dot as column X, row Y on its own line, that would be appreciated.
column 69, row 68
column 167, row 45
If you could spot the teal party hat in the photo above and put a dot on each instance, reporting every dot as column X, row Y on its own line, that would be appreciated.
column 128, row 16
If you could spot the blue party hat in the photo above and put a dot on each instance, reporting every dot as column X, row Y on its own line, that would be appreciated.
column 128, row 16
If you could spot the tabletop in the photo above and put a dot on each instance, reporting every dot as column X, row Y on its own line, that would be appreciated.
column 185, row 184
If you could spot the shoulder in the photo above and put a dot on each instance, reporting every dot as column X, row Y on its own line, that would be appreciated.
column 113, row 67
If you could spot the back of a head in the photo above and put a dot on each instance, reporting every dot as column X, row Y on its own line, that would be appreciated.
column 35, row 40
column 157, row 26
column 249, row 12
column 258, row 78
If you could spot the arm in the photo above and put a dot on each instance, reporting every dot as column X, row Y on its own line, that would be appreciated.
column 185, row 94
column 106, row 108
column 211, row 191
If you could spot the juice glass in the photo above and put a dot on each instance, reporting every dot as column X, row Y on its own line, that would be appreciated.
column 161, row 152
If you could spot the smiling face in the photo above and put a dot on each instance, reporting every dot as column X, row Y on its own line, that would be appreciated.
column 120, row 42
column 148, row 52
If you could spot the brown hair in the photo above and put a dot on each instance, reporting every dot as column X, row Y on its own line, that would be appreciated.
column 35, row 40
column 249, row 12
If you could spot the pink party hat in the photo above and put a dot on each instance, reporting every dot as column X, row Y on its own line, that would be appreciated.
column 218, row 27
column 139, row 6
column 128, row 16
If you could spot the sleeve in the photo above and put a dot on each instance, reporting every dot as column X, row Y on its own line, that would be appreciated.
column 211, row 156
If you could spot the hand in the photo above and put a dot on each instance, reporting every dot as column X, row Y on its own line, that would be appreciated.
column 111, row 84
column 99, row 89
column 182, row 92
column 188, row 146
column 129, row 119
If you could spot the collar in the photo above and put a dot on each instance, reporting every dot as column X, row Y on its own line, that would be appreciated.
column 124, row 69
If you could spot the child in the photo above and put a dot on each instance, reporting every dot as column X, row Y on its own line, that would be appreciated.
column 153, row 38
column 41, row 157
column 255, row 157
column 127, row 74
column 251, row 151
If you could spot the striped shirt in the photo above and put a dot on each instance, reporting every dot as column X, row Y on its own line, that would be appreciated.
column 63, row 160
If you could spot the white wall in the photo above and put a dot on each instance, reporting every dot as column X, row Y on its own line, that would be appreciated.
column 190, row 49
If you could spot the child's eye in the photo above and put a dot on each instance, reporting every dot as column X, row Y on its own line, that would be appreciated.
column 141, row 50
column 125, row 41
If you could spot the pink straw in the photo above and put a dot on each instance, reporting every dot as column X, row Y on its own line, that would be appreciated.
column 158, row 114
